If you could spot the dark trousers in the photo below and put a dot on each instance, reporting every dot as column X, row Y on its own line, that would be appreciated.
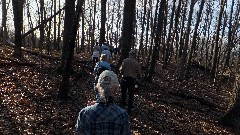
column 128, row 84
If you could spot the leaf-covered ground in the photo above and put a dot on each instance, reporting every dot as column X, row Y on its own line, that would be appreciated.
column 29, row 103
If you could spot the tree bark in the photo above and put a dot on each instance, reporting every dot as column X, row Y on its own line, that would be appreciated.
column 128, row 26
column 4, row 21
column 18, row 25
column 68, row 21
column 103, row 21
column 194, row 37
column 64, row 86
column 216, row 48
column 140, row 51
column 167, row 51
column 160, row 23
column 183, row 63
column 230, row 43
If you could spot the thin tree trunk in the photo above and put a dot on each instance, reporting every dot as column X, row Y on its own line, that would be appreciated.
column 230, row 43
column 147, row 28
column 140, row 51
column 103, row 21
column 216, row 48
column 153, row 32
column 183, row 63
column 167, row 51
column 31, row 25
column 59, row 27
column 4, row 21
column 182, row 33
column 194, row 37
column 83, row 31
column 161, row 18
column 55, row 26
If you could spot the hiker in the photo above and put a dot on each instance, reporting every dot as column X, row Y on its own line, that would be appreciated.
column 104, row 117
column 108, row 53
column 96, row 53
column 104, row 45
column 97, row 47
column 99, row 67
column 130, row 71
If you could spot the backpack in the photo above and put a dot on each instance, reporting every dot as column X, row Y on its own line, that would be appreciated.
column 100, row 69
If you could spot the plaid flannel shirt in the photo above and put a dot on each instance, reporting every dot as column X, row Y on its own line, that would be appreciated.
column 101, row 119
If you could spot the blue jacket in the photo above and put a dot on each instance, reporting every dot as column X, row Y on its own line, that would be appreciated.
column 100, row 64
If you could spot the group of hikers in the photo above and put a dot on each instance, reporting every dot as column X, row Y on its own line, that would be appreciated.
column 103, row 116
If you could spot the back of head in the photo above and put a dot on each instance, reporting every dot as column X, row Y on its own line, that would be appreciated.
column 132, row 53
column 107, row 84
column 103, row 57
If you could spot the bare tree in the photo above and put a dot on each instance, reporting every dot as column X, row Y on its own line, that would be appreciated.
column 140, row 51
column 230, row 41
column 18, row 24
column 167, row 50
column 69, row 13
column 4, row 21
column 194, row 37
column 64, row 86
column 128, row 26
column 103, row 21
column 160, row 23
column 183, row 63
column 216, row 48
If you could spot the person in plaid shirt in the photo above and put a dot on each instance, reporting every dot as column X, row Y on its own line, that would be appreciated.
column 104, row 117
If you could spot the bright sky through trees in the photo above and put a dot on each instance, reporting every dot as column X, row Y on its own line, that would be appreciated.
column 211, row 4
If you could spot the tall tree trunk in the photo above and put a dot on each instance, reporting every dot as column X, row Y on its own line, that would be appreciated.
column 103, row 21
column 55, row 26
column 183, row 63
column 41, row 29
column 161, row 18
column 31, row 25
column 83, row 32
column 93, row 25
column 140, row 51
column 182, row 34
column 64, row 86
column 18, row 24
column 69, row 13
column 177, row 16
column 59, row 28
column 147, row 28
column 230, row 43
column 194, row 37
column 167, row 51
column 4, row 21
column 128, row 26
column 153, row 32
column 216, row 48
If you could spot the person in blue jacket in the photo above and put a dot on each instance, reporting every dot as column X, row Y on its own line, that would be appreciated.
column 103, row 63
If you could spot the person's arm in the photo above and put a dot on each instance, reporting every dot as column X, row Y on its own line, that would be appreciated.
column 125, row 128
column 80, row 124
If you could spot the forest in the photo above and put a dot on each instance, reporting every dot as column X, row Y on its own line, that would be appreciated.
column 188, row 51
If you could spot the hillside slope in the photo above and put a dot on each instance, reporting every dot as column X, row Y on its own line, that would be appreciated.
column 29, row 103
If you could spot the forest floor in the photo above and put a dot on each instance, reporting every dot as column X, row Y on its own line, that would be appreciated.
column 29, row 103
